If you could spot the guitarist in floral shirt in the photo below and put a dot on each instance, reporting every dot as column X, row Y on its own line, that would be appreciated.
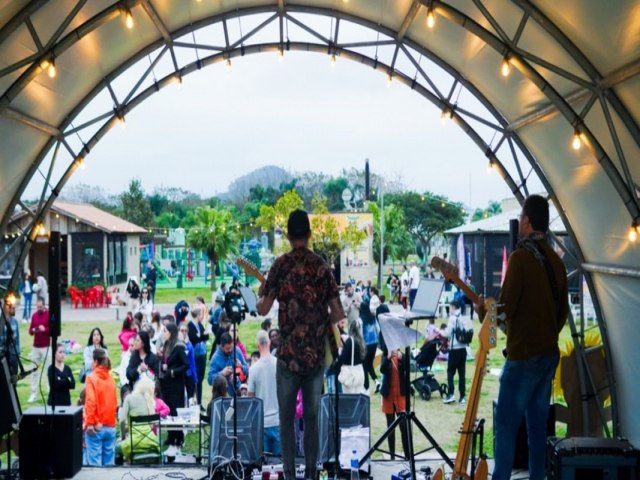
column 309, row 301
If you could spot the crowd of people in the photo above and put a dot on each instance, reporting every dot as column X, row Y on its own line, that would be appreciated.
column 164, row 357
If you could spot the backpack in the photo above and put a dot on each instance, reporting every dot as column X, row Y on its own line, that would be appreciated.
column 463, row 335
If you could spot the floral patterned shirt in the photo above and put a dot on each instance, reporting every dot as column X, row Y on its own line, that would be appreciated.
column 303, row 284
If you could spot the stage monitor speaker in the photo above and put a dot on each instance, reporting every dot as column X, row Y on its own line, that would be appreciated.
column 9, row 405
column 54, row 284
column 353, row 410
column 50, row 443
column 521, row 458
column 250, row 431
column 587, row 458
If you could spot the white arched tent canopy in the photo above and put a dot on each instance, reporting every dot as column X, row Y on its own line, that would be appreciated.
column 573, row 75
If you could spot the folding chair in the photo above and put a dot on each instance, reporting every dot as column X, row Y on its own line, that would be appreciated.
column 145, row 439
column 204, row 432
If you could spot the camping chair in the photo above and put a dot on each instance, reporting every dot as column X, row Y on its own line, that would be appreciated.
column 145, row 439
column 204, row 433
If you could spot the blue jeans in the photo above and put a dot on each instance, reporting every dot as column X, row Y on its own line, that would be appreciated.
column 412, row 296
column 101, row 447
column 525, row 389
column 26, row 300
column 288, row 383
column 271, row 441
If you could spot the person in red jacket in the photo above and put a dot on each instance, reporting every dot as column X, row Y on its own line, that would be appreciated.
column 39, row 329
column 101, row 404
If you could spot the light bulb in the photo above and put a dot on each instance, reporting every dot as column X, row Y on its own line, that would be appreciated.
column 505, row 68
column 42, row 231
column 490, row 167
column 576, row 143
column 123, row 123
column 633, row 232
column 389, row 80
column 333, row 59
column 129, row 19
column 280, row 55
column 443, row 116
column 228, row 64
column 52, row 69
column 81, row 163
column 431, row 18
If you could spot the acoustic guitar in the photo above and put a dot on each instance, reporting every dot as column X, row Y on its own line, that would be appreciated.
column 332, row 339
column 487, row 340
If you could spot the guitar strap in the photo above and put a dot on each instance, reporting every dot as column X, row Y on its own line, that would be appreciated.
column 530, row 244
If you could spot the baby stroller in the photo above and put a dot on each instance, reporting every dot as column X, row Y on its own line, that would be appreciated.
column 427, row 383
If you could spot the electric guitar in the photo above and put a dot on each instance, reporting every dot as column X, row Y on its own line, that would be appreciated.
column 332, row 339
column 487, row 340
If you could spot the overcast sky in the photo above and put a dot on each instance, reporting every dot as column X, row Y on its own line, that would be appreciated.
column 301, row 114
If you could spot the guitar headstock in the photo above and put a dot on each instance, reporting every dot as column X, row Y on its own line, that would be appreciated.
column 249, row 267
column 488, row 336
column 449, row 271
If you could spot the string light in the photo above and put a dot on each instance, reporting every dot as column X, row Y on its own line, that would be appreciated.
column 81, row 165
column 633, row 232
column 11, row 299
column 42, row 230
column 447, row 113
column 389, row 79
column 280, row 54
column 576, row 143
column 51, row 70
column 505, row 67
column 431, row 18
column 228, row 64
column 490, row 166
column 333, row 59
column 129, row 19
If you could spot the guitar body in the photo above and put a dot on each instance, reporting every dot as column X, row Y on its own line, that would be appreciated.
column 486, row 340
column 332, row 339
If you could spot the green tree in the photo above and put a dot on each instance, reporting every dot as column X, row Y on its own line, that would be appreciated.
column 159, row 203
column 135, row 205
column 397, row 239
column 332, row 190
column 216, row 233
column 326, row 236
column 427, row 214
column 276, row 216
column 494, row 208
column 353, row 236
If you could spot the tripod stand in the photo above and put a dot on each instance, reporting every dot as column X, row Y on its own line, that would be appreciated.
column 399, row 335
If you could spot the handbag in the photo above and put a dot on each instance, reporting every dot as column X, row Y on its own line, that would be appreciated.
column 351, row 375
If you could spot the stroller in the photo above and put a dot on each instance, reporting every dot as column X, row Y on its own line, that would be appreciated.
column 427, row 383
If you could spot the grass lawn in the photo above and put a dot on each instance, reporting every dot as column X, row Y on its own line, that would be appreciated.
column 442, row 421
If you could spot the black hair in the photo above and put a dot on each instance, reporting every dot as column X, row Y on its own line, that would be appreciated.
column 298, row 226
column 90, row 342
column 226, row 338
column 146, row 343
column 536, row 208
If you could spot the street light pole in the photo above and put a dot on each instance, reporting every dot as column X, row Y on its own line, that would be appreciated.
column 381, row 236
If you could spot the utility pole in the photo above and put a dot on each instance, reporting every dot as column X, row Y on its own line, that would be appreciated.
column 381, row 190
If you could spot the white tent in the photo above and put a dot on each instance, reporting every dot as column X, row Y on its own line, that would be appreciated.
column 571, row 69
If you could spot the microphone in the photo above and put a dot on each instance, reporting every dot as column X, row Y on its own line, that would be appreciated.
column 26, row 373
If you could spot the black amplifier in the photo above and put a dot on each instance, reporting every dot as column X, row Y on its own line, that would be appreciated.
column 586, row 458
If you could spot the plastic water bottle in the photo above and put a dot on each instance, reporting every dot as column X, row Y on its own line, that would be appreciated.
column 355, row 469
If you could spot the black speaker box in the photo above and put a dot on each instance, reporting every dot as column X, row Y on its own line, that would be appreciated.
column 9, row 404
column 353, row 410
column 584, row 458
column 50, row 443
column 521, row 458
column 250, row 433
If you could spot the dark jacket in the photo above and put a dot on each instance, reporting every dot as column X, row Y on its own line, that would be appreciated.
column 385, row 370
column 198, row 338
column 151, row 360
column 63, row 382
column 172, row 380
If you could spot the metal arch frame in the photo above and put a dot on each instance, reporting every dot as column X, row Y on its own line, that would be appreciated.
column 503, row 47
column 238, row 49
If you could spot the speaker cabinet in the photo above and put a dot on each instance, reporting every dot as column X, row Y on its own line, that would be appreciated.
column 353, row 410
column 50, row 443
column 584, row 458
column 250, row 432
column 9, row 404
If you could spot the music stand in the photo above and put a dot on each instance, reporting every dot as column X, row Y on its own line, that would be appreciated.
column 397, row 334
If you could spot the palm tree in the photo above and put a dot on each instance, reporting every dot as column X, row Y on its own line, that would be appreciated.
column 216, row 233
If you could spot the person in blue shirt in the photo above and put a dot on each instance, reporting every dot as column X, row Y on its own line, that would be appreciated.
column 222, row 363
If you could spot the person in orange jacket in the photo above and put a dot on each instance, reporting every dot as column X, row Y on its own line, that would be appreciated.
column 101, row 404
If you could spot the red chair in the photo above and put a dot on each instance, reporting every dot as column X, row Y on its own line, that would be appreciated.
column 99, row 293
column 76, row 296
column 92, row 298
